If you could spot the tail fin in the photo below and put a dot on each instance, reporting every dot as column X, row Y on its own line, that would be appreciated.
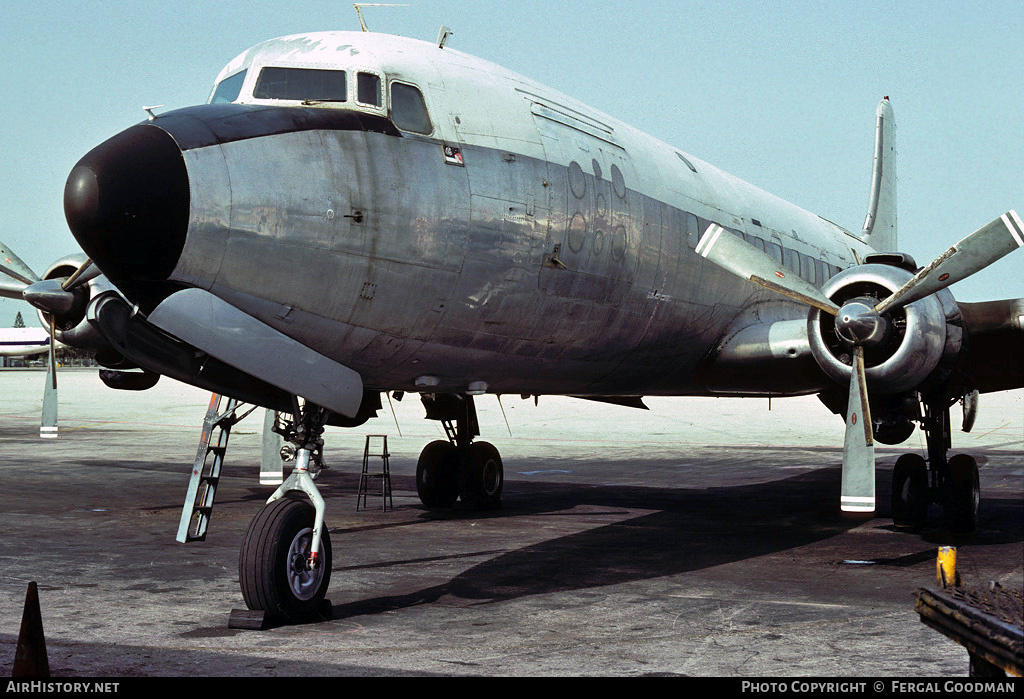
column 880, row 224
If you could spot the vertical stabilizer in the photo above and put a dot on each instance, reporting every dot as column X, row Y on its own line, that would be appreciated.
column 880, row 224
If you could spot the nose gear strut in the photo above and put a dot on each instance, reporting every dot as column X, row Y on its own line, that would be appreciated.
column 305, row 433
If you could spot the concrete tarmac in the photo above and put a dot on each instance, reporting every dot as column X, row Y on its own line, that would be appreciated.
column 701, row 538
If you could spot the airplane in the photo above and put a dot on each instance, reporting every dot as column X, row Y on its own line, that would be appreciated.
column 354, row 214
column 23, row 342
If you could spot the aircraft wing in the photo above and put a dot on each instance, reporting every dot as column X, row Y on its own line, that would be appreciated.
column 994, row 359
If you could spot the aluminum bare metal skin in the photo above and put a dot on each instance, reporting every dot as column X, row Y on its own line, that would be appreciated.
column 553, row 259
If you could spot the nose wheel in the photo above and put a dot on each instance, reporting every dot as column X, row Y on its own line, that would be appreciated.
column 276, row 569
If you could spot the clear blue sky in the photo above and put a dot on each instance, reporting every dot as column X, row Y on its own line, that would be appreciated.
column 780, row 94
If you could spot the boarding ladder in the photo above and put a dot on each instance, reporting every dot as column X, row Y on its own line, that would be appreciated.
column 202, row 487
column 384, row 474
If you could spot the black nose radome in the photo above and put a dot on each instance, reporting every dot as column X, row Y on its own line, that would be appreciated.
column 127, row 204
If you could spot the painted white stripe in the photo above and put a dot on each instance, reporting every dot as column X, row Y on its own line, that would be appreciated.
column 714, row 232
column 705, row 238
column 48, row 432
column 854, row 504
column 1018, row 232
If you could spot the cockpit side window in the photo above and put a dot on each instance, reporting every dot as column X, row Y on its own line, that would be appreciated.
column 228, row 89
column 408, row 110
column 306, row 84
column 368, row 89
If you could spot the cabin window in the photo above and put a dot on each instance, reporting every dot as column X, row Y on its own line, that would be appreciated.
column 807, row 269
column 368, row 89
column 775, row 250
column 228, row 89
column 792, row 260
column 692, row 230
column 306, row 84
column 408, row 110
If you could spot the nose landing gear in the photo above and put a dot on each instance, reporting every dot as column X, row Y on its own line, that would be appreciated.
column 284, row 566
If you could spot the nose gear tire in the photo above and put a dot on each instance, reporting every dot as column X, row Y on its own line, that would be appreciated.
column 273, row 568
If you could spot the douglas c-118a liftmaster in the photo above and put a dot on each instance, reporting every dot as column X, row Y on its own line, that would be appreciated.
column 356, row 213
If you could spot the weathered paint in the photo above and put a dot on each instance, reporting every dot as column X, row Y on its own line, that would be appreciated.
column 555, row 257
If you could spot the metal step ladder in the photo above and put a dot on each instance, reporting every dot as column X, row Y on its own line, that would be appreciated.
column 384, row 474
column 202, row 487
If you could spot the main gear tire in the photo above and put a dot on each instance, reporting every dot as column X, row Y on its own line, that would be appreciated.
column 910, row 492
column 963, row 495
column 437, row 470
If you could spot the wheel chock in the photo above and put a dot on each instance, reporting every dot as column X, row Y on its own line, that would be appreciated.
column 260, row 620
column 249, row 619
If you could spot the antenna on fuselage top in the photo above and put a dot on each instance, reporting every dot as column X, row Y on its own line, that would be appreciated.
column 442, row 36
column 359, row 11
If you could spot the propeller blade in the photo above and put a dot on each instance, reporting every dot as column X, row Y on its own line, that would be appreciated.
column 858, row 487
column 744, row 260
column 53, row 350
column 48, row 424
column 85, row 272
column 12, row 288
column 972, row 254
column 12, row 266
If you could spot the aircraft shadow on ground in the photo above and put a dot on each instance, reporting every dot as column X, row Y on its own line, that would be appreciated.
column 691, row 530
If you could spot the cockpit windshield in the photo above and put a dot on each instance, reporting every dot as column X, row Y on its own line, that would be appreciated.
column 305, row 84
column 228, row 89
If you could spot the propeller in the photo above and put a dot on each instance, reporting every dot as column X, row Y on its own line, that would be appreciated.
column 863, row 322
column 55, row 298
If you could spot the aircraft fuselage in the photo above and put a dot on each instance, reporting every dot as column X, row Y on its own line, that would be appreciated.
column 527, row 243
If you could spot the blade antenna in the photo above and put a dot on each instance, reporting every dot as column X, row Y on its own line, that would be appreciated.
column 359, row 11
column 503, row 415
column 395, row 416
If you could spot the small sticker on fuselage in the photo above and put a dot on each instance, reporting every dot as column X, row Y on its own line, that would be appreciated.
column 453, row 156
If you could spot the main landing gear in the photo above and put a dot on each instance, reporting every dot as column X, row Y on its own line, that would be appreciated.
column 284, row 566
column 952, row 483
column 458, row 468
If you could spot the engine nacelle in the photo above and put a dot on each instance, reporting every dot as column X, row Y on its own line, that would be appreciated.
column 72, row 328
column 919, row 338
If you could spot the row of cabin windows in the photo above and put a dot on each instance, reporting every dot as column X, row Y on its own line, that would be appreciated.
column 409, row 113
column 810, row 269
column 312, row 85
